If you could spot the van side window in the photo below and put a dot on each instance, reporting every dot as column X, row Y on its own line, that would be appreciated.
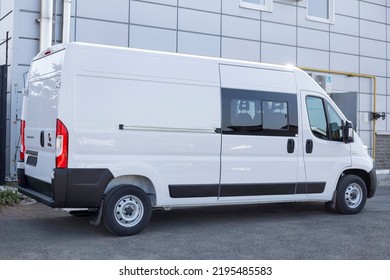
column 275, row 115
column 243, row 112
column 324, row 121
column 248, row 112
column 335, row 124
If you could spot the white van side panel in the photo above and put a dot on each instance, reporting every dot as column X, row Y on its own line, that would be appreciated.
column 255, row 78
column 145, row 105
column 168, row 126
column 140, row 63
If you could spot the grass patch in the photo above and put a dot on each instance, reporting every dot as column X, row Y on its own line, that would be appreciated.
column 9, row 197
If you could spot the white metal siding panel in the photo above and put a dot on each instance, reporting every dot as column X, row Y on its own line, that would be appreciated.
column 280, row 54
column 113, row 10
column 152, row 38
column 197, row 21
column 209, row 5
column 153, row 15
column 240, row 49
column 199, row 44
column 100, row 32
column 241, row 28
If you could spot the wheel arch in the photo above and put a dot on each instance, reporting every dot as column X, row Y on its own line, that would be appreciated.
column 139, row 181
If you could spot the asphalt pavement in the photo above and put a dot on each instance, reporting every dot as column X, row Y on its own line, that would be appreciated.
column 33, row 231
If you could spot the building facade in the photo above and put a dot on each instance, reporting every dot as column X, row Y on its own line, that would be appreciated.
column 344, row 44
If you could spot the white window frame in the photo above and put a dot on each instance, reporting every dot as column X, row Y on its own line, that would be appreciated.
column 268, row 6
column 331, row 14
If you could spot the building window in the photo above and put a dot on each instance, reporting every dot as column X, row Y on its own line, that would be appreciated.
column 263, row 5
column 320, row 10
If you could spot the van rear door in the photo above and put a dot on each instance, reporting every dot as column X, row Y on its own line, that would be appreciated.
column 40, row 113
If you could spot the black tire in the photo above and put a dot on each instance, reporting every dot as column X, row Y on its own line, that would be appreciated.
column 127, row 210
column 351, row 195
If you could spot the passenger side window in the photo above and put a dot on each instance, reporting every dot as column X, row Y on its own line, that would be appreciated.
column 324, row 121
column 247, row 112
column 275, row 115
column 243, row 112
column 335, row 124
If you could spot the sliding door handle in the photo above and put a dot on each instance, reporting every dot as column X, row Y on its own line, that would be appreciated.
column 290, row 146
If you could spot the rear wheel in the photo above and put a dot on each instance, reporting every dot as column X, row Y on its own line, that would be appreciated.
column 127, row 210
column 351, row 195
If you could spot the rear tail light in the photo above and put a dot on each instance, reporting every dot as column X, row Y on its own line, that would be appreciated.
column 62, row 144
column 22, row 140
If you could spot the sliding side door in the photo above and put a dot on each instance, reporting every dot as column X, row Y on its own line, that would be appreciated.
column 260, row 141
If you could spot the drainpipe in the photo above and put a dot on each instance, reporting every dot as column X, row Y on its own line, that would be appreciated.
column 350, row 74
column 46, row 24
column 66, row 21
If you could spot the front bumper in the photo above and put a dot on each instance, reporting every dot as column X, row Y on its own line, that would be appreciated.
column 374, row 183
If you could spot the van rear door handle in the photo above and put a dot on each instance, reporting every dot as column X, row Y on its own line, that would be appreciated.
column 309, row 146
column 42, row 138
column 290, row 146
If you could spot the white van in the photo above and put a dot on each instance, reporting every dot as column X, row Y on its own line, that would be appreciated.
column 120, row 132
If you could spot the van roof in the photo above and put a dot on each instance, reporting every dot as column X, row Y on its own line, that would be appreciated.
column 59, row 47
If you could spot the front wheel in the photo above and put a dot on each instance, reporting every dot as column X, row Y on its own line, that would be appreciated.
column 351, row 195
column 127, row 210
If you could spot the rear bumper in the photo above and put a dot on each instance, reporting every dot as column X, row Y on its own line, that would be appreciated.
column 69, row 188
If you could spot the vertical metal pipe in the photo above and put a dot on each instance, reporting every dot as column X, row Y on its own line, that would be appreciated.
column 6, row 48
column 66, row 21
column 46, row 24
column 54, row 41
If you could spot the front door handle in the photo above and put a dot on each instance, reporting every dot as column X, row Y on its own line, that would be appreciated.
column 290, row 146
column 309, row 146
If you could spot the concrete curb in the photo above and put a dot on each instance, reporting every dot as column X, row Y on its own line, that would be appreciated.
column 383, row 176
column 383, row 180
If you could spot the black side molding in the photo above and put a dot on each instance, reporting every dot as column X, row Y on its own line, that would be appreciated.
column 260, row 189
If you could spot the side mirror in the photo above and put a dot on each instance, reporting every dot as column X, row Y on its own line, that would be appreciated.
column 348, row 132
